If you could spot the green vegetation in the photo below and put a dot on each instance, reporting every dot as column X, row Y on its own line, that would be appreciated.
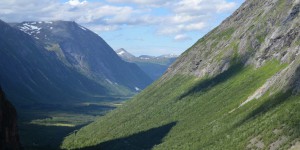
column 58, row 51
column 222, row 36
column 45, row 126
column 214, row 38
column 65, row 120
column 204, row 113
column 261, row 37
column 225, row 34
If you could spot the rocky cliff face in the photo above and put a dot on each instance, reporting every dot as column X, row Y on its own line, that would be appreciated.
column 8, row 125
column 259, row 31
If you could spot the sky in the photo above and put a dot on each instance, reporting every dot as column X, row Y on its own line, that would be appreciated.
column 142, row 27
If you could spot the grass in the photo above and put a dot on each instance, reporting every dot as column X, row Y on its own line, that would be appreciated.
column 200, row 108
column 65, row 119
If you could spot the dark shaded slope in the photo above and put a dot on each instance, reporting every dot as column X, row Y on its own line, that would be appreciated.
column 86, row 52
column 9, row 136
column 155, row 71
column 145, row 140
column 31, row 74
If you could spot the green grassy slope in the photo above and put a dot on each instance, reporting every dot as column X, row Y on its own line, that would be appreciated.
column 200, row 113
column 197, row 102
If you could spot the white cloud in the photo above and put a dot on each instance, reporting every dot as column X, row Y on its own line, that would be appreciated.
column 99, row 28
column 181, row 28
column 143, row 2
column 76, row 2
column 193, row 15
column 182, row 37
column 203, row 6
column 181, row 15
column 195, row 26
column 224, row 6
column 108, row 17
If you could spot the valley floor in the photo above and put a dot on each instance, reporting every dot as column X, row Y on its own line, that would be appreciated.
column 45, row 126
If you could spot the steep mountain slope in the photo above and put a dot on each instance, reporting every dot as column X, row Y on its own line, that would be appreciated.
column 9, row 137
column 154, row 67
column 79, row 48
column 31, row 74
column 236, row 88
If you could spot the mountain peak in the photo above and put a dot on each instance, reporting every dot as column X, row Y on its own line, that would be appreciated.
column 40, row 29
column 121, row 51
column 124, row 54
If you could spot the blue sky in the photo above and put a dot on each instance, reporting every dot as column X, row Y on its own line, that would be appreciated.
column 152, row 27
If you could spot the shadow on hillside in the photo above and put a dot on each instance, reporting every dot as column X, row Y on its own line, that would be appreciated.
column 37, row 137
column 209, row 83
column 140, row 141
column 295, row 121
column 269, row 104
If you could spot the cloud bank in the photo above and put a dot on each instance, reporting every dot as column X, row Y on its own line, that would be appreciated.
column 174, row 17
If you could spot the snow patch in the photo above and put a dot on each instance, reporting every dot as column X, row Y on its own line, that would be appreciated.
column 31, row 29
column 109, row 81
column 137, row 89
column 83, row 28
column 169, row 56
column 146, row 58
column 121, row 53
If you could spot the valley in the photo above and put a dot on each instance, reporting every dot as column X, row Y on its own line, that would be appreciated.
column 60, row 77
column 237, row 87
column 45, row 126
column 153, row 66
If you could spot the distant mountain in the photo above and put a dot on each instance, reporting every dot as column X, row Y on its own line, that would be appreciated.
column 168, row 56
column 153, row 66
column 78, row 47
column 32, row 74
column 58, row 62
column 125, row 55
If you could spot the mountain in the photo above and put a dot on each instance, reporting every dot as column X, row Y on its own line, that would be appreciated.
column 56, row 68
column 8, row 125
column 167, row 59
column 125, row 55
column 86, row 52
column 236, row 88
column 31, row 74
column 153, row 66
